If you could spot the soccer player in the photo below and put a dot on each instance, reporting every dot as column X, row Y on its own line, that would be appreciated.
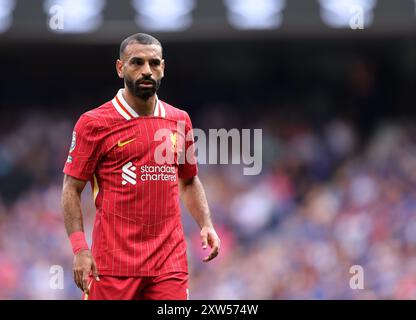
column 138, row 247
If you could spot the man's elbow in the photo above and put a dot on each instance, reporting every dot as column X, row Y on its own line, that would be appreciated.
column 186, row 182
column 71, row 190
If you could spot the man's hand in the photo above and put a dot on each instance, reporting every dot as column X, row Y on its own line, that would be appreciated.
column 209, row 236
column 193, row 195
column 84, row 264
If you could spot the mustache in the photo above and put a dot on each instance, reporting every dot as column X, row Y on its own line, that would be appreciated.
column 147, row 79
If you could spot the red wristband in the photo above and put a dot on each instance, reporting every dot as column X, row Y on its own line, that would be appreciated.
column 78, row 241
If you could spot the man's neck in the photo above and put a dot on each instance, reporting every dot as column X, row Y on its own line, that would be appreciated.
column 142, row 107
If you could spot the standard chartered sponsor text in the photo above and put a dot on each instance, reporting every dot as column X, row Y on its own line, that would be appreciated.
column 157, row 173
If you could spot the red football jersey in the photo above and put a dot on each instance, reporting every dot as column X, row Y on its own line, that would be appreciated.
column 133, row 163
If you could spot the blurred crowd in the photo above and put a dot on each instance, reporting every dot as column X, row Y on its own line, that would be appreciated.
column 327, row 199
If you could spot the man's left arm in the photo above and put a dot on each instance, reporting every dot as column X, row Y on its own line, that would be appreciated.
column 193, row 196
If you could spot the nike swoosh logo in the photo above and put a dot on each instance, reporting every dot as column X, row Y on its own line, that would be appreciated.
column 122, row 144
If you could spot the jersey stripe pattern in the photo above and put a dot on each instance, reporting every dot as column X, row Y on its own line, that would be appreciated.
column 134, row 164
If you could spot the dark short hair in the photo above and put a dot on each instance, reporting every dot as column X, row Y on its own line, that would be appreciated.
column 142, row 38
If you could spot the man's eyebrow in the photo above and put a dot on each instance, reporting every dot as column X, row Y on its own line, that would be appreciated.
column 138, row 59
column 133, row 59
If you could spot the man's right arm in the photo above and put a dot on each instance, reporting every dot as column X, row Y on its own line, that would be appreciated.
column 71, row 206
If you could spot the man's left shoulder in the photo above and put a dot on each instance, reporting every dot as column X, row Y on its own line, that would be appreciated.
column 175, row 113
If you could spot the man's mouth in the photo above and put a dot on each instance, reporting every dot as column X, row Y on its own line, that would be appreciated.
column 146, row 84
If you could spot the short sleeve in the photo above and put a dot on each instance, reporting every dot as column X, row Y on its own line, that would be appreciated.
column 85, row 150
column 189, row 167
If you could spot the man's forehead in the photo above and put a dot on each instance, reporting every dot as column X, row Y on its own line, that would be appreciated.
column 135, row 49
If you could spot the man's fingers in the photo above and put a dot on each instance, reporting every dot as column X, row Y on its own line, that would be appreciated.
column 78, row 279
column 84, row 265
column 85, row 282
column 95, row 271
column 215, row 244
column 204, row 239
column 212, row 255
column 210, row 237
column 75, row 278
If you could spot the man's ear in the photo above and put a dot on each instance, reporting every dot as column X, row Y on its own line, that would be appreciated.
column 163, row 67
column 119, row 68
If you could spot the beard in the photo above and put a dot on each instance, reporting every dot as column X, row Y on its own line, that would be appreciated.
column 139, row 92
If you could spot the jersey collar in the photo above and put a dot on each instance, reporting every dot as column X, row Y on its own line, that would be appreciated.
column 127, row 112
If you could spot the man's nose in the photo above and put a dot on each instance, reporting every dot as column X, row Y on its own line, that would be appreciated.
column 146, row 70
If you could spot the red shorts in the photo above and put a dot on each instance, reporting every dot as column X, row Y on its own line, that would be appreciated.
column 170, row 286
